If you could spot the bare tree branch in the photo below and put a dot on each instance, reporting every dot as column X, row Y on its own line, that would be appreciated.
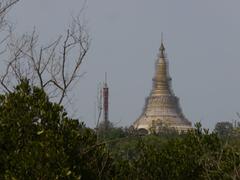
column 54, row 67
column 5, row 5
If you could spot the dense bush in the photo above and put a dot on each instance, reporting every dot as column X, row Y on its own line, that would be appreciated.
column 39, row 141
column 195, row 155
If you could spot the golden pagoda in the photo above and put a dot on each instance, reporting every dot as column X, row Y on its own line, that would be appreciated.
column 162, row 107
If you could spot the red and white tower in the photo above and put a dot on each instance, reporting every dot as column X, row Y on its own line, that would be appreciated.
column 105, row 102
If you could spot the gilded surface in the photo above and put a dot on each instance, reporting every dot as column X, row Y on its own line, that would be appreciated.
column 162, row 106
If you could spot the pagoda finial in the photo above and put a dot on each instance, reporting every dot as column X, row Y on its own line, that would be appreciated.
column 105, row 83
column 162, row 48
column 161, row 37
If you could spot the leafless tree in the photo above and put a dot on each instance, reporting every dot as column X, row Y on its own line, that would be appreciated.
column 54, row 67
column 5, row 5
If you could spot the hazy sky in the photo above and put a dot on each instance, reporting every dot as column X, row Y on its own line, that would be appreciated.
column 202, row 40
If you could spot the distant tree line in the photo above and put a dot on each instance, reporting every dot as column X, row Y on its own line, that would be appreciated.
column 39, row 141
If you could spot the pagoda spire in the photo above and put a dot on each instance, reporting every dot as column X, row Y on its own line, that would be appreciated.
column 162, row 48
column 162, row 107
column 161, row 80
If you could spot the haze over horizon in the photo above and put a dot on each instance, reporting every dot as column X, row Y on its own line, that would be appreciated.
column 201, row 39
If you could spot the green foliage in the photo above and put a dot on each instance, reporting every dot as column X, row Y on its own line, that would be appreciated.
column 111, row 133
column 39, row 141
column 224, row 129
column 195, row 155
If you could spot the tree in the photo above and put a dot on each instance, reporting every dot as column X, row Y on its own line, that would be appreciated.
column 223, row 129
column 54, row 67
column 5, row 6
column 195, row 155
column 39, row 141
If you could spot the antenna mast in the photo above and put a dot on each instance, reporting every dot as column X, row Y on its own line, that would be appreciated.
column 105, row 102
